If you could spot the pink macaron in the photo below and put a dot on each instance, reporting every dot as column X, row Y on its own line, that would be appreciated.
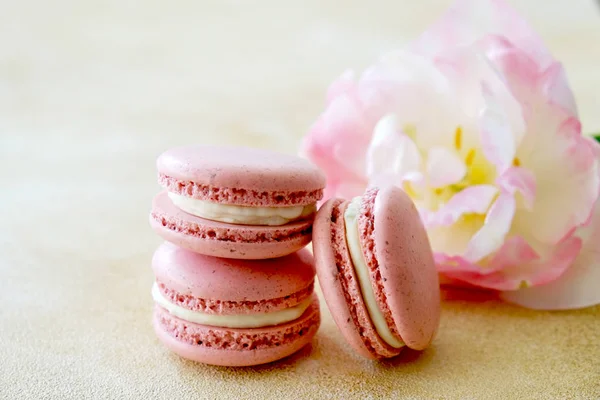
column 376, row 270
column 233, row 312
column 236, row 202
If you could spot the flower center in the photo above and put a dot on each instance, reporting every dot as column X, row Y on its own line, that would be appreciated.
column 478, row 171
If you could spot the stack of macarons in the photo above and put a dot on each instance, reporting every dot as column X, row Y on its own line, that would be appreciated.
column 234, row 284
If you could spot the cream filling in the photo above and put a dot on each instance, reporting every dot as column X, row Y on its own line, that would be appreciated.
column 241, row 215
column 362, row 273
column 233, row 320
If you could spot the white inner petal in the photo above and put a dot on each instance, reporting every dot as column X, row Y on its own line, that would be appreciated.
column 232, row 320
column 241, row 215
column 392, row 155
column 444, row 167
column 362, row 273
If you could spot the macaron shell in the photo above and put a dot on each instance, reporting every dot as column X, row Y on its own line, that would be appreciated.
column 224, row 279
column 239, row 196
column 407, row 268
column 241, row 168
column 340, row 287
column 219, row 239
column 264, row 344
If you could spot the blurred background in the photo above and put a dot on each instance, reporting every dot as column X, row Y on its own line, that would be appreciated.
column 142, row 72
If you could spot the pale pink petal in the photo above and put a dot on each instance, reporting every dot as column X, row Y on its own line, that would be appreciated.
column 497, row 224
column 521, row 180
column 474, row 199
column 444, row 167
column 576, row 288
column 497, row 137
column 554, row 84
column 445, row 263
column 579, row 286
column 514, row 252
column 478, row 85
column 391, row 155
column 350, row 158
column 529, row 81
column 521, row 268
column 345, row 85
column 518, row 69
column 336, row 142
column 544, row 270
column 342, row 122
column 468, row 20
column 330, row 191
column 517, row 75
column 567, row 180
column 402, row 67
column 396, row 80
column 403, row 83
column 550, row 265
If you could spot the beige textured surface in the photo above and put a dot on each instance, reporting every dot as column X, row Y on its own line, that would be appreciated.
column 92, row 91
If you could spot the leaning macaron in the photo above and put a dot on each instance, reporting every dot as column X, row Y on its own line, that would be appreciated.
column 377, row 273
column 233, row 312
column 236, row 202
